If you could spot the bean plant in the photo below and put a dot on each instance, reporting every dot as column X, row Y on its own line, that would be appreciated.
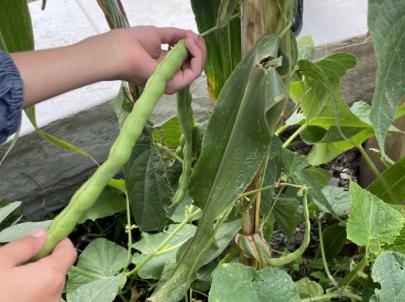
column 229, row 208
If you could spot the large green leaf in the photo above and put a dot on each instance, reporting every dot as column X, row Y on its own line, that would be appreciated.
column 108, row 203
column 371, row 222
column 241, row 105
column 149, row 243
column 224, row 45
column 324, row 152
column 389, row 271
column 148, row 187
column 394, row 177
column 386, row 23
column 234, row 281
column 20, row 230
column 319, row 96
column 399, row 243
column 15, row 26
column 237, row 138
column 101, row 259
column 102, row 290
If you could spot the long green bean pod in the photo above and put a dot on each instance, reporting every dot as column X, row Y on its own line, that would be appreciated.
column 185, row 114
column 120, row 151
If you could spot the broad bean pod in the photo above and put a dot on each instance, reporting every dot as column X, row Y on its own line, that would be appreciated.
column 64, row 223
column 185, row 115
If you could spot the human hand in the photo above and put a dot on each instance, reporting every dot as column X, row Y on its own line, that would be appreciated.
column 40, row 281
column 139, row 49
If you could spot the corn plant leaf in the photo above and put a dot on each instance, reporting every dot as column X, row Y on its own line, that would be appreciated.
column 148, row 187
column 114, row 13
column 389, row 271
column 367, row 224
column 224, row 45
column 394, row 177
column 237, row 138
column 225, row 12
column 232, row 280
column 15, row 18
column 386, row 22
column 8, row 209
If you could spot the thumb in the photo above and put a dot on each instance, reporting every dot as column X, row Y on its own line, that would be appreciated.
column 22, row 250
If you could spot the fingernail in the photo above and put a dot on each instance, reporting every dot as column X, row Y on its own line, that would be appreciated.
column 38, row 233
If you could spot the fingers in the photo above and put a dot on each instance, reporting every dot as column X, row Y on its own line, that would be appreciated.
column 170, row 35
column 193, row 67
column 22, row 250
column 62, row 257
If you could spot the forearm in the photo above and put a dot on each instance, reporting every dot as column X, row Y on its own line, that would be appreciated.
column 48, row 73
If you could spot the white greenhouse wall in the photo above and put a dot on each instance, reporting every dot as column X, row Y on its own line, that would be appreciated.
column 67, row 21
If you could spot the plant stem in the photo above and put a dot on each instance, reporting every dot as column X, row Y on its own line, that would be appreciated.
column 281, row 129
column 322, row 248
column 215, row 28
column 376, row 172
column 129, row 230
column 168, row 151
column 294, row 135
column 164, row 242
column 269, row 187
column 331, row 296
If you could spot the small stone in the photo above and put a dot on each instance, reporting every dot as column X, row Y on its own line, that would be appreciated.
column 345, row 176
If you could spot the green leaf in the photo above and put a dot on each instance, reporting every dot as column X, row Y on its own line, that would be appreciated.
column 324, row 152
column 308, row 288
column 367, row 224
column 224, row 44
column 103, row 257
column 389, row 271
column 316, row 179
column 149, row 244
column 385, row 22
column 399, row 243
column 233, row 280
column 102, row 290
column 115, row 13
column 334, row 238
column 237, row 138
column 21, row 230
column 339, row 200
column 148, row 187
column 15, row 26
column 394, row 177
column 108, row 203
column 8, row 209
column 225, row 12
column 306, row 48
column 320, row 97
column 30, row 112
column 122, row 104
column 168, row 133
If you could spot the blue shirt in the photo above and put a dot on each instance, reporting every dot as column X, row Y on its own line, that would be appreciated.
column 11, row 97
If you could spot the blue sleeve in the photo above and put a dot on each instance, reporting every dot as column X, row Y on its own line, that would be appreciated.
column 11, row 97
